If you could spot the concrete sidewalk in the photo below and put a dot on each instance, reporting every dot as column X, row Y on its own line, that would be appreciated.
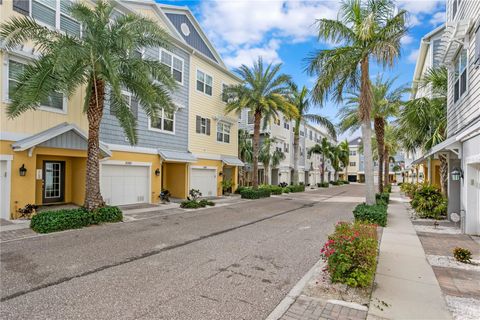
column 405, row 285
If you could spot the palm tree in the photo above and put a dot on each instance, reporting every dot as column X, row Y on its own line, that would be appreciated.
column 104, row 57
column 365, row 30
column 335, row 160
column 269, row 159
column 386, row 102
column 325, row 150
column 423, row 121
column 301, row 101
column 263, row 92
column 244, row 152
column 344, row 155
column 391, row 148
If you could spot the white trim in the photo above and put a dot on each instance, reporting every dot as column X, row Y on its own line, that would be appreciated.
column 203, row 167
column 134, row 149
column 162, row 117
column 13, row 136
column 7, row 158
column 130, row 164
column 171, row 67
column 205, row 82
column 58, row 15
column 467, row 134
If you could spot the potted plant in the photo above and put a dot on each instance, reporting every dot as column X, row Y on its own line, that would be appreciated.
column 227, row 186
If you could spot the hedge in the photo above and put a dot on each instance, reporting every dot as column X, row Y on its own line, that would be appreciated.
column 376, row 213
column 58, row 220
column 255, row 193
column 323, row 185
column 195, row 204
column 296, row 188
column 273, row 189
column 383, row 198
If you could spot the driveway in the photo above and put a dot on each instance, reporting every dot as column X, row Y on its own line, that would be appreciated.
column 231, row 262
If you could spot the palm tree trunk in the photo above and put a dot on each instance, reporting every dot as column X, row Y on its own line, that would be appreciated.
column 379, row 125
column 93, row 197
column 365, row 109
column 256, row 145
column 387, row 166
column 443, row 174
column 296, row 139
column 322, row 176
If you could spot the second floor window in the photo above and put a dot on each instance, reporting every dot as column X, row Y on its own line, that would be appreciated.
column 203, row 125
column 174, row 63
column 353, row 153
column 286, row 125
column 460, row 76
column 56, row 14
column 223, row 132
column 165, row 121
column 353, row 164
column 310, row 135
column 15, row 68
column 249, row 117
column 286, row 147
column 204, row 82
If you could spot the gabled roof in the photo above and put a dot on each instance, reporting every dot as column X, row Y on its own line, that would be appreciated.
column 355, row 142
column 48, row 135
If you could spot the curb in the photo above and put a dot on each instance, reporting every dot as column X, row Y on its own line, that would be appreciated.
column 283, row 306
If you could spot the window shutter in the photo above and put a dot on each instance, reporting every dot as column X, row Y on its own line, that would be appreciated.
column 208, row 127
column 134, row 107
column 21, row 6
column 199, row 124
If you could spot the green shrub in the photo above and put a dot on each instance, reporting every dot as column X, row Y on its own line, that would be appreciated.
column 429, row 202
column 296, row 188
column 346, row 182
column 239, row 189
column 376, row 213
column 272, row 188
column 58, row 220
column 383, row 198
column 409, row 188
column 388, row 188
column 255, row 193
column 108, row 214
column 286, row 190
column 336, row 183
column 195, row 204
column 323, row 185
column 462, row 255
column 205, row 202
column 351, row 254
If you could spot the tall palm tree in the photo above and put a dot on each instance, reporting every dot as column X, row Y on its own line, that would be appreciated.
column 300, row 99
column 365, row 30
column 263, row 92
column 104, row 57
column 335, row 161
column 325, row 150
column 245, row 152
column 270, row 159
column 423, row 121
column 391, row 148
column 344, row 155
column 386, row 102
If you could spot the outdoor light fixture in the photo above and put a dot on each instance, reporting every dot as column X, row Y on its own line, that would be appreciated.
column 157, row 172
column 22, row 170
column 457, row 173
column 220, row 173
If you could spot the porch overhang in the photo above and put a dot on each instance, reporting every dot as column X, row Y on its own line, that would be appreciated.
column 451, row 144
column 232, row 161
column 177, row 156
column 64, row 135
column 455, row 37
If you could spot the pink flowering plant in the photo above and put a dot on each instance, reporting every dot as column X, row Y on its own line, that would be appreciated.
column 351, row 253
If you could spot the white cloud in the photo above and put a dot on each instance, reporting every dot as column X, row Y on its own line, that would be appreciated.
column 420, row 9
column 407, row 39
column 412, row 57
column 438, row 18
column 241, row 29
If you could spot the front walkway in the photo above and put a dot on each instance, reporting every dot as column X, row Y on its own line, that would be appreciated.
column 405, row 284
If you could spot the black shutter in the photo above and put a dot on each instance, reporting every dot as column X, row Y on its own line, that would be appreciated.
column 208, row 127
column 22, row 6
column 134, row 107
column 198, row 124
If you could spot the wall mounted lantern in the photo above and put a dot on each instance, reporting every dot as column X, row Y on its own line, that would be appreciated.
column 22, row 171
column 457, row 173
column 220, row 173
column 157, row 172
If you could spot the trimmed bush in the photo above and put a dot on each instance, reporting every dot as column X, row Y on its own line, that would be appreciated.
column 462, row 255
column 376, row 213
column 273, row 189
column 323, row 185
column 206, row 202
column 345, row 181
column 58, row 220
column 255, row 193
column 336, row 183
column 195, row 204
column 286, row 190
column 429, row 202
column 239, row 189
column 297, row 188
column 351, row 254
column 388, row 188
column 383, row 198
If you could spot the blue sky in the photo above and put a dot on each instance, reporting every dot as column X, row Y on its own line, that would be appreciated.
column 283, row 31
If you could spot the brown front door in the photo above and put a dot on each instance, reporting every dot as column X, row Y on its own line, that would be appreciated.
column 53, row 181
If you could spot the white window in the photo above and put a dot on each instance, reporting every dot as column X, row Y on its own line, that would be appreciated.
column 353, row 152
column 302, row 133
column 279, row 149
column 310, row 134
column 286, row 147
column 353, row 164
column 224, row 96
column 204, row 83
column 249, row 117
column 174, row 63
column 54, row 102
column 286, row 124
column 55, row 13
column 127, row 96
column 460, row 76
column 164, row 122
column 223, row 132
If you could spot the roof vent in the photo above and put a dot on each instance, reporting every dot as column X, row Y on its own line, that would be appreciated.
column 185, row 29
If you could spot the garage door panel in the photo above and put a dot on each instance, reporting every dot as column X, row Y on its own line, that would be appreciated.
column 125, row 184
column 204, row 180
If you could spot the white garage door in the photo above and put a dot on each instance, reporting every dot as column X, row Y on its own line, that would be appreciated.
column 124, row 184
column 204, row 180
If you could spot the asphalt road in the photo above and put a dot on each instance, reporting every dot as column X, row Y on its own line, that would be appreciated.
column 232, row 262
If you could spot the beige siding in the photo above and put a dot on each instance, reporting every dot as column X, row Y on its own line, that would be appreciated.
column 210, row 107
column 468, row 107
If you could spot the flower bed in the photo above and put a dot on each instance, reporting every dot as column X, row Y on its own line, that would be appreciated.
column 351, row 254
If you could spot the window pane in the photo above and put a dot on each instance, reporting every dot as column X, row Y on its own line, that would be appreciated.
column 69, row 25
column 43, row 13
column 177, row 64
column 177, row 75
column 15, row 69
column 463, row 60
column 65, row 6
column 166, row 58
column 200, row 86
column 168, row 115
column 200, row 76
column 167, row 125
column 208, row 80
column 226, row 138
column 12, row 85
column 54, row 100
column 208, row 90
column 456, row 91
column 463, row 82
column 156, row 123
column 219, row 136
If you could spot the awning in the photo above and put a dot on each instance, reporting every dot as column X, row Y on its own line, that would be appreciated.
column 64, row 135
column 454, row 37
column 451, row 144
column 232, row 161
column 177, row 156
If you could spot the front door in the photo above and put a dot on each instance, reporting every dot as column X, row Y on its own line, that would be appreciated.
column 53, row 181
